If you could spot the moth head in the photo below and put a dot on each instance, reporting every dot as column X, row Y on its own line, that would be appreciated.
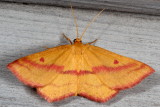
column 77, row 40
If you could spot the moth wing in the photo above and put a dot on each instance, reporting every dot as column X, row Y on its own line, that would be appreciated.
column 92, row 88
column 41, row 68
column 63, row 86
column 116, row 71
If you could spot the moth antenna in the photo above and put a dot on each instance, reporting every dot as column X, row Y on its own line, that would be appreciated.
column 93, row 19
column 92, row 42
column 67, row 38
column 75, row 21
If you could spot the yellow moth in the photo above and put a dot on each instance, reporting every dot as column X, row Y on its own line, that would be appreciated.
column 79, row 69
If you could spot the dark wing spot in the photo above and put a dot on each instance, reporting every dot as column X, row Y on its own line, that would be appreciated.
column 41, row 59
column 116, row 62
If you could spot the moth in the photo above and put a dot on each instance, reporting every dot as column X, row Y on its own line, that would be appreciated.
column 78, row 69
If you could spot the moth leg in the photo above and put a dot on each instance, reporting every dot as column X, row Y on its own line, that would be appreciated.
column 92, row 42
column 67, row 38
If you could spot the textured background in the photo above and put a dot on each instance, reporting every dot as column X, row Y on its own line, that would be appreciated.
column 134, row 6
column 26, row 29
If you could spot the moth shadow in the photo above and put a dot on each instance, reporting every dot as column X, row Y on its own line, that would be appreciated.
column 65, row 101
column 63, row 41
column 144, row 86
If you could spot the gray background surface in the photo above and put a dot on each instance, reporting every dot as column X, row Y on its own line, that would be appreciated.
column 135, row 6
column 26, row 29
